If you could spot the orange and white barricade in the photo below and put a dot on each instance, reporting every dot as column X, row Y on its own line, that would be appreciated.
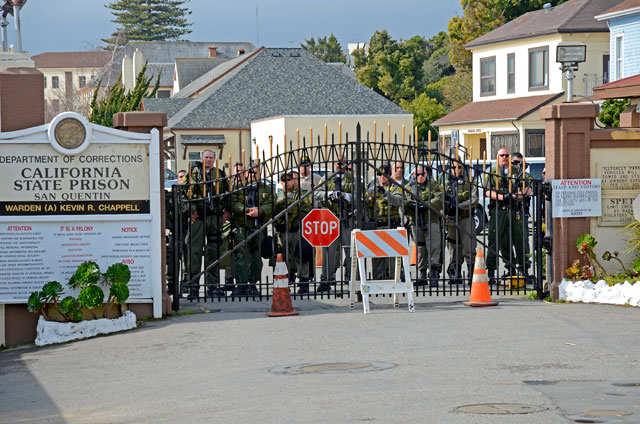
column 391, row 243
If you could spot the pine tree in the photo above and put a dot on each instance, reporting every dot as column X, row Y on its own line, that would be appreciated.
column 148, row 20
column 103, row 109
column 328, row 50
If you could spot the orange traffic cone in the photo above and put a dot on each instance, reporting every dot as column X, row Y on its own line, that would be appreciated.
column 281, row 305
column 413, row 255
column 480, row 293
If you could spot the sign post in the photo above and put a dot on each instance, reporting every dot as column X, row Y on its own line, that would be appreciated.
column 320, row 227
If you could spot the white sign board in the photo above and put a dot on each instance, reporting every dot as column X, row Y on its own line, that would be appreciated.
column 74, row 192
column 577, row 198
column 35, row 253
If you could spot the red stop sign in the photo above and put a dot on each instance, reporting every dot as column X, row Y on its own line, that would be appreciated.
column 320, row 227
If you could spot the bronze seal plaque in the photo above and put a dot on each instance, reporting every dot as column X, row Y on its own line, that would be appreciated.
column 70, row 133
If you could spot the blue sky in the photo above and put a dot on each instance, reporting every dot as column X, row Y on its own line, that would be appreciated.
column 281, row 23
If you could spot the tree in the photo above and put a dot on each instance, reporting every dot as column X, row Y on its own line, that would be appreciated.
column 611, row 109
column 327, row 50
column 425, row 111
column 480, row 17
column 437, row 64
column 103, row 109
column 392, row 68
column 148, row 20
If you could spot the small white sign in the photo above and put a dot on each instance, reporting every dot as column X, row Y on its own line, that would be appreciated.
column 636, row 208
column 577, row 198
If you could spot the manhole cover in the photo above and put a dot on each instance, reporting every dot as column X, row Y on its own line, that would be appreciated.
column 500, row 408
column 606, row 412
column 332, row 368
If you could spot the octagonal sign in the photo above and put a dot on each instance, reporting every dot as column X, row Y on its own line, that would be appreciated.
column 320, row 227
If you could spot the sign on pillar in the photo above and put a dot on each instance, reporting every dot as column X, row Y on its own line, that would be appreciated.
column 320, row 227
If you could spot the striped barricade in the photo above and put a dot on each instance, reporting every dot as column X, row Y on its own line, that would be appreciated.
column 391, row 243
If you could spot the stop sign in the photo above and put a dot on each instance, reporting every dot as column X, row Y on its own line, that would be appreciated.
column 320, row 227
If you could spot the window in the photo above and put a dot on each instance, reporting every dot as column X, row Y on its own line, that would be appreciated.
column 193, row 158
column 55, row 82
column 163, row 94
column 488, row 76
column 508, row 140
column 539, row 68
column 511, row 73
column 605, row 68
column 45, row 82
column 619, row 59
column 534, row 143
column 82, row 81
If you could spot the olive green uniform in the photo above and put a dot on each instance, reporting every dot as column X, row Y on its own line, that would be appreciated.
column 247, row 262
column 339, row 184
column 508, row 224
column 205, row 232
column 425, row 225
column 461, row 198
column 383, row 206
column 287, row 229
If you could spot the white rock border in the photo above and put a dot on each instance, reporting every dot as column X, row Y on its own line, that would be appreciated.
column 587, row 292
column 50, row 332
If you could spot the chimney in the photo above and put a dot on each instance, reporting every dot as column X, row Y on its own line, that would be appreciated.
column 213, row 51
column 240, row 52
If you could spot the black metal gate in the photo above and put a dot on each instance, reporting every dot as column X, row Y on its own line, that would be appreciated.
column 226, row 230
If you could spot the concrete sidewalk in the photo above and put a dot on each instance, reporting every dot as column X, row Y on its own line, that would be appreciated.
column 229, row 363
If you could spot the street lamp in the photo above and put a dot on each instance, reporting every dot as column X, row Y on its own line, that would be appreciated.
column 569, row 55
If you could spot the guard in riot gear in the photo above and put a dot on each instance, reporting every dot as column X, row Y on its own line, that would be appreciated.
column 251, row 206
column 423, row 200
column 504, row 188
column 288, row 226
column 339, row 192
column 460, row 200
column 207, row 204
column 384, row 201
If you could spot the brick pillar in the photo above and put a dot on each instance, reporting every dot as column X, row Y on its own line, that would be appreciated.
column 21, row 99
column 144, row 122
column 21, row 106
column 568, row 153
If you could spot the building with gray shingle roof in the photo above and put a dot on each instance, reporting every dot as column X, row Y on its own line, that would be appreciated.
column 271, row 82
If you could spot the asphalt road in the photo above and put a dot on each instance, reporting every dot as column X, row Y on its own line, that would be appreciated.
column 229, row 363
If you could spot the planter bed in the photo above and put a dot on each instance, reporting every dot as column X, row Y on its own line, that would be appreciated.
column 588, row 292
column 50, row 332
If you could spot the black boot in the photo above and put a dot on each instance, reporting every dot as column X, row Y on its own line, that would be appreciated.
column 454, row 275
column 252, row 290
column 491, row 273
column 303, row 286
column 323, row 287
column 469, row 274
column 422, row 278
column 434, row 276
column 194, row 291
column 228, row 284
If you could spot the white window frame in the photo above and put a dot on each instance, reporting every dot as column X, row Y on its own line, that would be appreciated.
column 619, row 56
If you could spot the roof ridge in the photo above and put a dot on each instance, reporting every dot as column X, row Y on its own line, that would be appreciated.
column 580, row 9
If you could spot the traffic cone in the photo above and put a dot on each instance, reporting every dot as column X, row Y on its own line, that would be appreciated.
column 480, row 293
column 281, row 305
column 413, row 255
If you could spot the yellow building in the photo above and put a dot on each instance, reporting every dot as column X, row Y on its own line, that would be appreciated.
column 67, row 76
column 515, row 73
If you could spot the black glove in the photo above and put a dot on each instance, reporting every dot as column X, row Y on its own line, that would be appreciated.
column 413, row 204
column 507, row 198
column 380, row 190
